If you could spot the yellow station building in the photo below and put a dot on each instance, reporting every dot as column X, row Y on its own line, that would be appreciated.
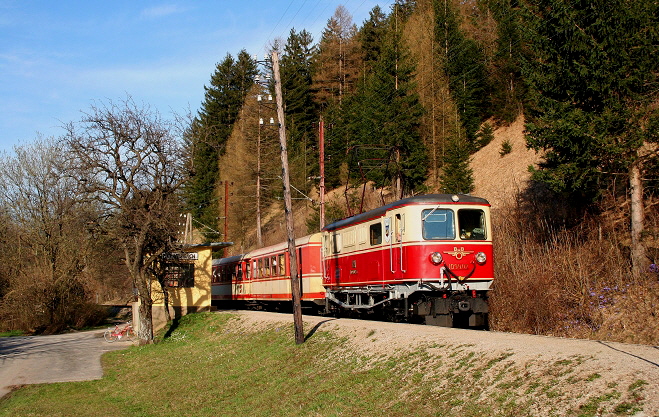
column 188, row 276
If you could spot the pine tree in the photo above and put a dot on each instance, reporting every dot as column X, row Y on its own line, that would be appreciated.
column 593, row 72
column 386, row 113
column 371, row 36
column 210, row 130
column 457, row 175
column 339, row 60
column 440, row 121
column 506, row 77
column 301, row 112
column 464, row 64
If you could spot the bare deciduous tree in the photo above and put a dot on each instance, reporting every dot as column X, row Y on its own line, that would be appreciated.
column 132, row 161
column 45, row 236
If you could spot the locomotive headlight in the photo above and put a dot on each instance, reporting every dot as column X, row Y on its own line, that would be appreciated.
column 436, row 258
column 481, row 258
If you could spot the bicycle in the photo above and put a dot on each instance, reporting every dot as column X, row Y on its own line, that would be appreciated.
column 118, row 333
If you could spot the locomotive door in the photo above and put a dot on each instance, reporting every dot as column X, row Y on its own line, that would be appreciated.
column 394, row 241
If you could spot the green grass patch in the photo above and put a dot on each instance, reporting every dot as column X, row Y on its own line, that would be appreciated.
column 12, row 333
column 209, row 365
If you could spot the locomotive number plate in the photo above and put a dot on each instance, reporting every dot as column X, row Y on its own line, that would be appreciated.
column 455, row 267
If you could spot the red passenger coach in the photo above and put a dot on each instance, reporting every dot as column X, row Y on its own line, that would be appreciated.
column 262, row 277
column 426, row 257
column 227, row 273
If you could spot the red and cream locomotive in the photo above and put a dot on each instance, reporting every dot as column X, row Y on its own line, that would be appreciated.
column 425, row 258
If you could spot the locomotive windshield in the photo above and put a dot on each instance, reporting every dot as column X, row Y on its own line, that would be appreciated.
column 438, row 224
column 472, row 224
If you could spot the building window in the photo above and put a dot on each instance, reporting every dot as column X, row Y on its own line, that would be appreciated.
column 179, row 274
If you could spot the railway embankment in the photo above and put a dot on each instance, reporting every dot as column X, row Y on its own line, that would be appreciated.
column 496, row 371
column 246, row 363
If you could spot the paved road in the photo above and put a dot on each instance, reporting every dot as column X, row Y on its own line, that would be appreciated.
column 57, row 358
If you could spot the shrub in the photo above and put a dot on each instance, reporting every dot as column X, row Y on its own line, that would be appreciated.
column 573, row 282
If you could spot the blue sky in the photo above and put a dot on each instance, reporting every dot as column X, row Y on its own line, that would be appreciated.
column 57, row 58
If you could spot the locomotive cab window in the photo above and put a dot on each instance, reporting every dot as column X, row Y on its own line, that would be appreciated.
column 472, row 224
column 438, row 224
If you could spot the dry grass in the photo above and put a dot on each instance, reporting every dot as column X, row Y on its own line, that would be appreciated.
column 574, row 283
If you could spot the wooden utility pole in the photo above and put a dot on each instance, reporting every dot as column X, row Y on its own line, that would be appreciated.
column 288, row 207
column 321, row 146
column 226, row 215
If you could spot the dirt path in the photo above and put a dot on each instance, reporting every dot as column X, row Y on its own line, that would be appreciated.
column 578, row 369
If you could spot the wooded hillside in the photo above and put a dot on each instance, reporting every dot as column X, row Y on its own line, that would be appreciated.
column 412, row 97
column 547, row 108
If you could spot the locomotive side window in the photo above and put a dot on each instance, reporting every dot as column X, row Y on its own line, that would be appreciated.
column 326, row 244
column 399, row 227
column 376, row 234
column 438, row 224
column 336, row 247
column 472, row 224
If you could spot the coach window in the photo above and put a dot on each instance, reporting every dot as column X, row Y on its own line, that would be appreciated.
column 438, row 224
column 266, row 267
column 282, row 264
column 247, row 271
column 240, row 272
column 376, row 233
column 275, row 266
column 472, row 224
column 260, row 261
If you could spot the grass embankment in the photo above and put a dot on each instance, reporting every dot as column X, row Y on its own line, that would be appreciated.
column 212, row 365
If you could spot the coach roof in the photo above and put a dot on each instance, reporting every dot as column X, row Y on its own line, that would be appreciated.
column 419, row 199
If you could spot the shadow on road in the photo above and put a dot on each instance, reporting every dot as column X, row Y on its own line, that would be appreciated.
column 630, row 354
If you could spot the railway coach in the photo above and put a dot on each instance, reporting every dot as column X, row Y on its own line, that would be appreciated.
column 425, row 258
column 261, row 278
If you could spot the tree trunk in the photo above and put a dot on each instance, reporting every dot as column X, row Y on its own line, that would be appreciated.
column 145, row 331
column 290, row 232
column 638, row 252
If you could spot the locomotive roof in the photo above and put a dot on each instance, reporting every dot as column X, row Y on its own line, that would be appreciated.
column 419, row 199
